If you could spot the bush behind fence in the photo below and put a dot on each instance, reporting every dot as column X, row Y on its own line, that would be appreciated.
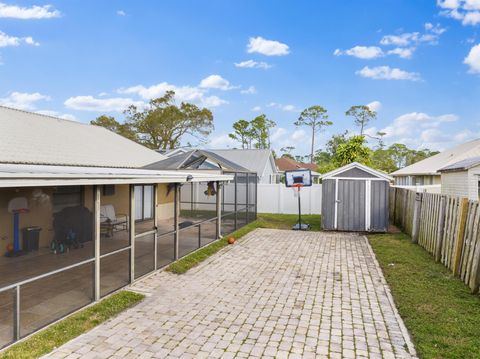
column 446, row 226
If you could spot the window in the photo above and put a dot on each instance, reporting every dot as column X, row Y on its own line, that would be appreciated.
column 144, row 202
column 67, row 196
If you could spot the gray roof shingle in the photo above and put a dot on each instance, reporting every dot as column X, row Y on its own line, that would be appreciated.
column 32, row 138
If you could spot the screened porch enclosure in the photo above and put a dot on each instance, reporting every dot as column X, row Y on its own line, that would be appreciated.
column 77, row 244
column 238, row 204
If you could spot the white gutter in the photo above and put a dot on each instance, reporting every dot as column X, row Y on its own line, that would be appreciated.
column 28, row 176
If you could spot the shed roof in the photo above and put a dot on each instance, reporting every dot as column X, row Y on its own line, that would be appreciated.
column 432, row 165
column 462, row 165
column 32, row 138
column 353, row 165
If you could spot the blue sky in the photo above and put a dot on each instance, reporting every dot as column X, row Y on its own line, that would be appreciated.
column 417, row 62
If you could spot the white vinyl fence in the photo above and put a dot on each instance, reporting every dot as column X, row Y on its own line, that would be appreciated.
column 276, row 198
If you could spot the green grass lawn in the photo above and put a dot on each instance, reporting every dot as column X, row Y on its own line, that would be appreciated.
column 52, row 337
column 279, row 221
column 437, row 308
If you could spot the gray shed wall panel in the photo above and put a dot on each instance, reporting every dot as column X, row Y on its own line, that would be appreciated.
column 355, row 173
column 379, row 206
column 328, row 204
column 351, row 206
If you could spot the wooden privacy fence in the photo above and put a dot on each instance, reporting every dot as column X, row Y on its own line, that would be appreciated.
column 446, row 226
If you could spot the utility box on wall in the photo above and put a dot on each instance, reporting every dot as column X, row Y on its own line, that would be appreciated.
column 355, row 198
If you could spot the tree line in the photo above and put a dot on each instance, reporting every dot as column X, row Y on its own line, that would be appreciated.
column 163, row 124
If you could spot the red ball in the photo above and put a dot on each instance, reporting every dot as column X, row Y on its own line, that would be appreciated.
column 231, row 240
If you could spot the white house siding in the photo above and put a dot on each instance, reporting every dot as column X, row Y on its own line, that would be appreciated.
column 456, row 184
column 269, row 175
column 473, row 178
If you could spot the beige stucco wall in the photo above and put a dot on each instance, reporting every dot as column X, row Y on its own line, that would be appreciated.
column 40, row 209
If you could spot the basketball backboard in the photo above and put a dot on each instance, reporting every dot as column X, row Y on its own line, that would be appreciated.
column 302, row 178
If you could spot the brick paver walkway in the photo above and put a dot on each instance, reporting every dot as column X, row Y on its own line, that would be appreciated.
column 274, row 294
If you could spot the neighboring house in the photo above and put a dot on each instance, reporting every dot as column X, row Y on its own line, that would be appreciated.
column 260, row 161
column 462, row 179
column 288, row 164
column 83, row 215
column 426, row 172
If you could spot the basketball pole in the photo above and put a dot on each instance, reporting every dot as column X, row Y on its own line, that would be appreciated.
column 299, row 209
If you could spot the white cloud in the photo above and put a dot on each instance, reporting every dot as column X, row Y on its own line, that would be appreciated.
column 215, row 82
column 278, row 133
column 267, row 47
column 375, row 106
column 421, row 130
column 222, row 140
column 256, row 109
column 286, row 108
column 471, row 18
column 65, row 116
column 387, row 73
column 251, row 64
column 121, row 13
column 7, row 40
column 448, row 4
column 361, row 52
column 182, row 93
column 403, row 52
column 90, row 103
column 25, row 13
column 466, row 11
column 23, row 100
column 410, row 39
column 213, row 101
column 473, row 59
column 250, row 91
column 400, row 40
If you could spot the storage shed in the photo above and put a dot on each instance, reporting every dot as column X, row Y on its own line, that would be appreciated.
column 355, row 198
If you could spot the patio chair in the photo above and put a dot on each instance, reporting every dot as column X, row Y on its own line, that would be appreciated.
column 111, row 221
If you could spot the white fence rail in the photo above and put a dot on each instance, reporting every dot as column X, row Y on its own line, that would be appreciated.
column 276, row 198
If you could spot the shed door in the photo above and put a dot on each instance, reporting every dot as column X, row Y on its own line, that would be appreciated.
column 351, row 205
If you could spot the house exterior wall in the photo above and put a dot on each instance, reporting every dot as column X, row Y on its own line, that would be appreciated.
column 455, row 183
column 422, row 180
column 269, row 175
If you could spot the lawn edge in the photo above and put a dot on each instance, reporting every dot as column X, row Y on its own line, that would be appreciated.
column 6, row 351
column 406, row 334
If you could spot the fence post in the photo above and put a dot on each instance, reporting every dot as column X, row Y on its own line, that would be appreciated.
column 416, row 216
column 440, row 229
column 460, row 235
column 394, row 204
column 405, row 205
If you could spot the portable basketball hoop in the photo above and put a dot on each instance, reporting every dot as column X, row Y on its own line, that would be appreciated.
column 17, row 206
column 296, row 180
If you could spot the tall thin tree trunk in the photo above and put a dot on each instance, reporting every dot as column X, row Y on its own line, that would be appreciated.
column 313, row 144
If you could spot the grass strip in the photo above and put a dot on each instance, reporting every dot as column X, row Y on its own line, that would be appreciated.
column 71, row 327
column 439, row 311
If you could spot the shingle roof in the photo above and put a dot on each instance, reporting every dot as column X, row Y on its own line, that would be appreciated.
column 288, row 164
column 31, row 138
column 193, row 160
column 432, row 165
column 462, row 165
column 254, row 160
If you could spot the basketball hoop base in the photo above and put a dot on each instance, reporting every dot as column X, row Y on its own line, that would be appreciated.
column 301, row 227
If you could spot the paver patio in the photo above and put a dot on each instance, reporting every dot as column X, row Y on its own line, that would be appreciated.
column 273, row 294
